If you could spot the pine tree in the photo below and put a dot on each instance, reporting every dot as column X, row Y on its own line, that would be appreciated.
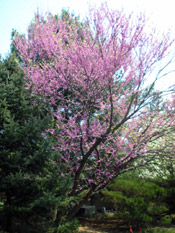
column 31, row 186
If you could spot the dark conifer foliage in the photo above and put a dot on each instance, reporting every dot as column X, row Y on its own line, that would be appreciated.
column 31, row 187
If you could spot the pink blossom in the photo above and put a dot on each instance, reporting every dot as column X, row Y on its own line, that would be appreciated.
column 94, row 78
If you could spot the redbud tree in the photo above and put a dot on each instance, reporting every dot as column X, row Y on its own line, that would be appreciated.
column 97, row 79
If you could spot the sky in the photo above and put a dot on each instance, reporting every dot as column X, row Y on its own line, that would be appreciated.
column 17, row 14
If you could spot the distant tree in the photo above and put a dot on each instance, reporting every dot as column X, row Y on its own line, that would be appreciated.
column 94, row 78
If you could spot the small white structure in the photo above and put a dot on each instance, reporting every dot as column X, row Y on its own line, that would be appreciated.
column 103, row 210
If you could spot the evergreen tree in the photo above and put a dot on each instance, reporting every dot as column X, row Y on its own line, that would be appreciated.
column 31, row 186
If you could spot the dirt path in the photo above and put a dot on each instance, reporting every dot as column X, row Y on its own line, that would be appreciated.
column 113, row 225
column 87, row 229
column 102, row 225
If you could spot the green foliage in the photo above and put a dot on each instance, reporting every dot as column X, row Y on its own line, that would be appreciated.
column 159, row 230
column 32, row 190
column 169, row 185
column 137, row 201
column 136, row 210
column 69, row 227
column 166, row 220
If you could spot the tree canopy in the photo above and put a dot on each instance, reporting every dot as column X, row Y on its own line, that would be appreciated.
column 93, row 76
column 31, row 186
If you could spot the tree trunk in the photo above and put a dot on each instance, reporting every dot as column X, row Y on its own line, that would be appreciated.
column 72, row 212
column 76, row 208
column 8, row 214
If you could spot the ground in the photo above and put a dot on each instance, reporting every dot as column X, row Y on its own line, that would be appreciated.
column 103, row 225
column 113, row 225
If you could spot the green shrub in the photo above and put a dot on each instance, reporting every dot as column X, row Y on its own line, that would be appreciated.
column 166, row 220
column 159, row 230
column 69, row 227
column 173, row 219
column 136, row 200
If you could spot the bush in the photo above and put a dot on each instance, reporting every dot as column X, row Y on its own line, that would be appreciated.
column 166, row 220
column 69, row 227
column 136, row 200
column 159, row 230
